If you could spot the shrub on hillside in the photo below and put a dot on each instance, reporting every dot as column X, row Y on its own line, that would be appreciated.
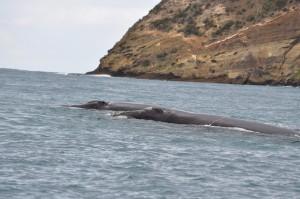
column 145, row 63
column 209, row 23
column 224, row 28
column 161, row 55
column 271, row 5
column 162, row 24
column 191, row 29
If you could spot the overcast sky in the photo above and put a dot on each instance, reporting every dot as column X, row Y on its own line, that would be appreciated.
column 63, row 35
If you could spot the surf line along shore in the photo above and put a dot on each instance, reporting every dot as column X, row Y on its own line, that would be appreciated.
column 156, row 113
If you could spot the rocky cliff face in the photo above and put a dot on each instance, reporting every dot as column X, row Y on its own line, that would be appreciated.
column 229, row 41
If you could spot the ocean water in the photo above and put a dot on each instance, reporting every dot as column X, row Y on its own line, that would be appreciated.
column 49, row 151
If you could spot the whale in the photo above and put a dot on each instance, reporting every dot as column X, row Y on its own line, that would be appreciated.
column 160, row 114
column 182, row 117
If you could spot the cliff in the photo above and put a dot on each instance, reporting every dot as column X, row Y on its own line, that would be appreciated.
column 226, row 41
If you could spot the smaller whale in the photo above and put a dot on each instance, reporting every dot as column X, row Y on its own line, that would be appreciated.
column 181, row 117
column 111, row 106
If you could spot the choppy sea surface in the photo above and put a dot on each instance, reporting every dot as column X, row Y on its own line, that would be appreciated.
column 49, row 151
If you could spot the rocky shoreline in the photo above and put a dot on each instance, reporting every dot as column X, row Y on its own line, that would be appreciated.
column 172, row 77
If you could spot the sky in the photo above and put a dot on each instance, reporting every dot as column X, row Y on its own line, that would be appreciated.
column 67, row 36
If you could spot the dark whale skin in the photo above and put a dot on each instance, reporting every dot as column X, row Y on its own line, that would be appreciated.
column 182, row 117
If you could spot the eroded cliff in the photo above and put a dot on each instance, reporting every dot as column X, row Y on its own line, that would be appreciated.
column 229, row 41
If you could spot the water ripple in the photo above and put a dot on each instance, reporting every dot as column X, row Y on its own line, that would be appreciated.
column 48, row 151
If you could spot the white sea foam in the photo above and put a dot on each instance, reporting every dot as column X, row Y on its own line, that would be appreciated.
column 121, row 117
column 101, row 75
column 61, row 73
column 116, row 115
